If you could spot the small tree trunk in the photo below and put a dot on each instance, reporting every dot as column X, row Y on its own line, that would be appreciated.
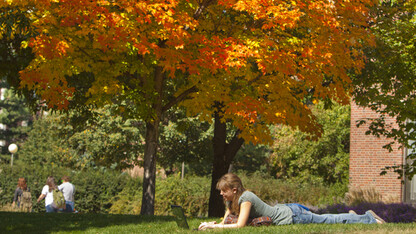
column 223, row 155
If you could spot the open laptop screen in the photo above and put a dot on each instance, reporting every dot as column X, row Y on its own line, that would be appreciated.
column 179, row 216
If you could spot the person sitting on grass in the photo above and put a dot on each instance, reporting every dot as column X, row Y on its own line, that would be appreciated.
column 246, row 205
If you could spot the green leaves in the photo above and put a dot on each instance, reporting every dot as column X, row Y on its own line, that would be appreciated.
column 103, row 141
column 387, row 83
column 324, row 160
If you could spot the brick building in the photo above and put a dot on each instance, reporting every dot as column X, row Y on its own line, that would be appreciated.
column 368, row 157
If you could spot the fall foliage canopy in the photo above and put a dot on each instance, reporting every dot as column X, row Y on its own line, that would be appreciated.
column 257, row 57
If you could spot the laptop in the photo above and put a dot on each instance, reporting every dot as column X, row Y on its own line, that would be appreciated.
column 180, row 216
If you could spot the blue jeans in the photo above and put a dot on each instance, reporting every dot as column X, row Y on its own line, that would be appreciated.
column 300, row 215
column 70, row 206
column 51, row 209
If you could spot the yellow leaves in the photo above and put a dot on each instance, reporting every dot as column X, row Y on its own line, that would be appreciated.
column 249, row 55
column 275, row 14
column 25, row 44
column 48, row 82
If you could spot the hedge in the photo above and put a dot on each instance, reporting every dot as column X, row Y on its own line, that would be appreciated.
column 94, row 188
column 108, row 191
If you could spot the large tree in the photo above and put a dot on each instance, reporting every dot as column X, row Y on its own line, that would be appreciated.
column 387, row 84
column 248, row 62
column 300, row 55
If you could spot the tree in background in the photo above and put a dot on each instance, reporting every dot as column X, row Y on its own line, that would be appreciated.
column 189, row 140
column 325, row 161
column 15, row 118
column 249, row 66
column 15, row 115
column 105, row 141
column 387, row 83
column 186, row 140
column 15, row 27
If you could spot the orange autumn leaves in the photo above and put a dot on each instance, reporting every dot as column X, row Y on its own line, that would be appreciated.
column 268, row 48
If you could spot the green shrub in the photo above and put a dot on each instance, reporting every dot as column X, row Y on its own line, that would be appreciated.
column 128, row 201
column 108, row 191
column 285, row 191
column 95, row 189
column 192, row 193
column 36, row 179
column 326, row 160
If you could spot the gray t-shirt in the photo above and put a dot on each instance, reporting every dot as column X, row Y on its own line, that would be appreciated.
column 280, row 213
column 68, row 190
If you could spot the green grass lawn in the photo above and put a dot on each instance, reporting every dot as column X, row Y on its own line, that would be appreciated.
column 106, row 223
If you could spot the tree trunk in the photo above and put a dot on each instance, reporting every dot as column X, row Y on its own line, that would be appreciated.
column 150, row 151
column 223, row 155
column 149, row 175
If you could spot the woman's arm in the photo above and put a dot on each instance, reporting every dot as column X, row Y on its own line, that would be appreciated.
column 15, row 197
column 225, row 216
column 242, row 219
column 215, row 222
column 42, row 196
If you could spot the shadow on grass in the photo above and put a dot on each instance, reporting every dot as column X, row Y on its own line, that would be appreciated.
column 13, row 222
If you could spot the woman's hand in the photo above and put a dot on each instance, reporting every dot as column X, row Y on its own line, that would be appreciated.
column 207, row 225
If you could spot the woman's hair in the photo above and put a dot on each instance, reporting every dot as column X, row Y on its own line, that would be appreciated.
column 51, row 183
column 22, row 183
column 232, row 181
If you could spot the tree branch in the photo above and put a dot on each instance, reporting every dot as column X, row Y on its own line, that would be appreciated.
column 179, row 98
column 202, row 5
column 234, row 145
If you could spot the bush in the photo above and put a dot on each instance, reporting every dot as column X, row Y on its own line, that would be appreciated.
column 192, row 193
column 108, row 191
column 391, row 213
column 326, row 160
column 285, row 191
column 357, row 196
column 94, row 188
column 35, row 177
column 128, row 201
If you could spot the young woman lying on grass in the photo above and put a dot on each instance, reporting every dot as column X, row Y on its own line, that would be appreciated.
column 247, row 205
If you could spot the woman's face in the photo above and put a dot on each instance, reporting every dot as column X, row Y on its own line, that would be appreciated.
column 228, row 194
